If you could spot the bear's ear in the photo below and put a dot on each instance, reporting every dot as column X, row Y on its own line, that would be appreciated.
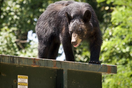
column 68, row 17
column 86, row 16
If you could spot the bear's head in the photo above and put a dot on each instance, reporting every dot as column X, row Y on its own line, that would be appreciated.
column 78, row 26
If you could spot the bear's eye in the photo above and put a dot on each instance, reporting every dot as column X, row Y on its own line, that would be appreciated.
column 80, row 30
column 72, row 21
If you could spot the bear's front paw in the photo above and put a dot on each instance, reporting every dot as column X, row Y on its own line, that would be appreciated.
column 94, row 62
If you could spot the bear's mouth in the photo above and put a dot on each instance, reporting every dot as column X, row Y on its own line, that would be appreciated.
column 75, row 40
column 76, row 45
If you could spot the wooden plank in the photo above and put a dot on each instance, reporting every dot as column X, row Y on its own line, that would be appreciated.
column 37, row 62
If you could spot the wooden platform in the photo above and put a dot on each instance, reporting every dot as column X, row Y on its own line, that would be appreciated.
column 47, row 73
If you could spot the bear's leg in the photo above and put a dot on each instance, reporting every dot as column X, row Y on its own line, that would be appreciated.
column 67, row 46
column 95, row 46
column 94, row 54
column 43, row 50
column 53, row 51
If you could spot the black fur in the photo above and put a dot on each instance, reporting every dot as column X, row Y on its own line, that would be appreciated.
column 57, row 24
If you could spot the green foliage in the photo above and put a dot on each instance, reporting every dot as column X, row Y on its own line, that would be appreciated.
column 82, row 53
column 7, row 39
column 117, row 45
column 30, row 50
column 9, row 47
column 22, row 15
column 120, row 80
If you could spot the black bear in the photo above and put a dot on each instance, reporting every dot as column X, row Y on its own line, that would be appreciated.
column 69, row 23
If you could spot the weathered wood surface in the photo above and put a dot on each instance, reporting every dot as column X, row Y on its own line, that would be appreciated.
column 48, row 63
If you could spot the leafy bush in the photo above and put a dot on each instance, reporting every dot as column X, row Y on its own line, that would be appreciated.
column 117, row 46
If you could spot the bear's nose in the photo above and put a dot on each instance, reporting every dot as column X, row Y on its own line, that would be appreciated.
column 74, row 37
column 73, row 40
